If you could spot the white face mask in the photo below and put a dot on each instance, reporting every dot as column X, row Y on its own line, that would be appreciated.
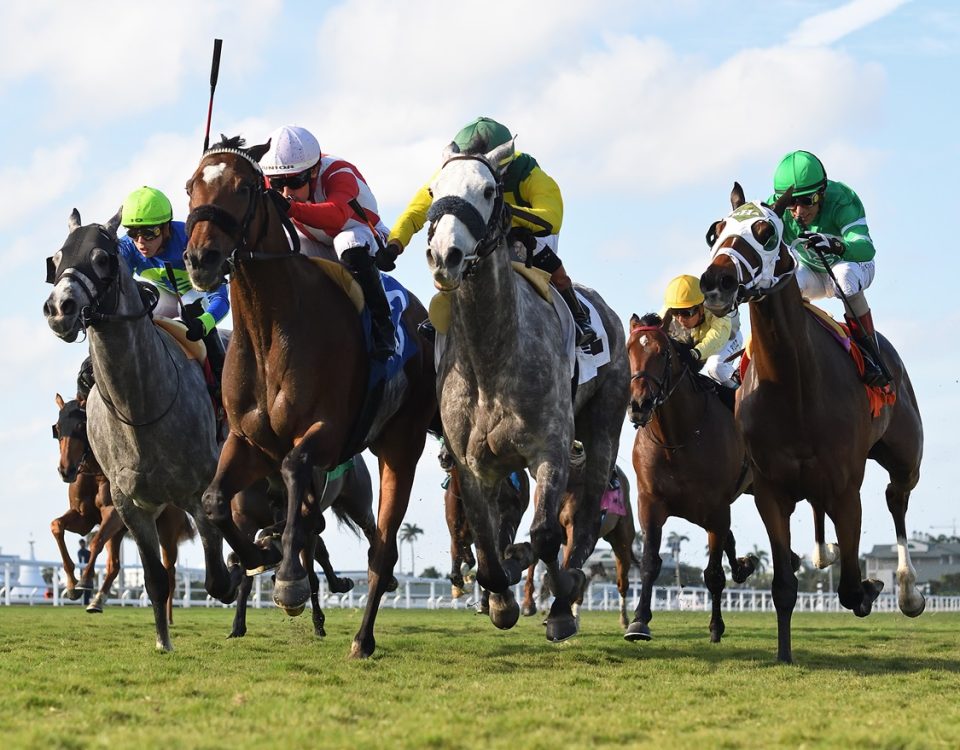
column 740, row 224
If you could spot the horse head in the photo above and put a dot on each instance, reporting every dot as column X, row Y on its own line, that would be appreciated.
column 468, row 218
column 652, row 363
column 749, row 257
column 85, row 272
column 225, row 191
column 70, row 430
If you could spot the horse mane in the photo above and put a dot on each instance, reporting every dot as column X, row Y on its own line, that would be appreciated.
column 238, row 142
column 651, row 320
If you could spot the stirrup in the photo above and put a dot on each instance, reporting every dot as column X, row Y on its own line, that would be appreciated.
column 585, row 334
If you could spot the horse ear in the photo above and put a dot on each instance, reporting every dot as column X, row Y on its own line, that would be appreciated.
column 499, row 154
column 782, row 202
column 634, row 321
column 737, row 198
column 59, row 401
column 74, row 221
column 450, row 150
column 114, row 222
column 257, row 152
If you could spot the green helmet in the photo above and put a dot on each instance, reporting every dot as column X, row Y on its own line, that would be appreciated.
column 482, row 135
column 146, row 207
column 803, row 171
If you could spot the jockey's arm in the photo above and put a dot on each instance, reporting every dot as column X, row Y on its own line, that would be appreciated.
column 217, row 307
column 854, row 233
column 333, row 213
column 413, row 217
column 541, row 191
column 717, row 334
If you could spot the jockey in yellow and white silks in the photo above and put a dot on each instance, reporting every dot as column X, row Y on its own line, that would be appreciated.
column 714, row 340
column 536, row 217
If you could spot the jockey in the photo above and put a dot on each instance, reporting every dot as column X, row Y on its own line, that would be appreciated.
column 536, row 207
column 154, row 239
column 714, row 340
column 324, row 192
column 828, row 216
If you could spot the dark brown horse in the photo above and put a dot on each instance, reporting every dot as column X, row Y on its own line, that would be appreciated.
column 805, row 413
column 296, row 374
column 617, row 531
column 91, row 506
column 690, row 462
column 511, row 503
column 262, row 508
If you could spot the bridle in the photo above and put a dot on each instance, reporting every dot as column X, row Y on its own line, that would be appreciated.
column 238, row 231
column 489, row 233
column 665, row 383
column 760, row 280
column 68, row 426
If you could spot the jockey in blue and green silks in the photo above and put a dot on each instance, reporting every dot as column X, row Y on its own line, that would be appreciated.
column 525, row 187
column 828, row 215
column 152, row 240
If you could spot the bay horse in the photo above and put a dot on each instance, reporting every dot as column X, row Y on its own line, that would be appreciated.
column 149, row 416
column 511, row 502
column 262, row 507
column 504, row 387
column 296, row 374
column 690, row 461
column 92, row 507
column 618, row 531
column 805, row 414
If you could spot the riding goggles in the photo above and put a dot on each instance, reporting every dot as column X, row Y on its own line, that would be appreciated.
column 292, row 181
column 687, row 312
column 805, row 200
column 148, row 233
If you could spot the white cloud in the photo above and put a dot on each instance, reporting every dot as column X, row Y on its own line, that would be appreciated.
column 57, row 169
column 832, row 25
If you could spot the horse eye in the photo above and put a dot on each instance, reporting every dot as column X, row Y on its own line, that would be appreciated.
column 488, row 193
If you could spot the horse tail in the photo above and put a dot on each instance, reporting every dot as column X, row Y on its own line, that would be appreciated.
column 342, row 512
column 188, row 530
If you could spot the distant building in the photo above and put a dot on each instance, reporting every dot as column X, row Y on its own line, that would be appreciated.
column 931, row 558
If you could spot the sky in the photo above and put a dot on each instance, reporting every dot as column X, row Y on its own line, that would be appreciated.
column 644, row 112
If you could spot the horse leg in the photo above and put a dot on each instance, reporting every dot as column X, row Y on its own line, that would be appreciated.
column 110, row 526
column 855, row 594
column 337, row 585
column 651, row 522
column 311, row 551
column 168, row 529
column 58, row 526
column 621, row 539
column 528, row 608
column 741, row 568
column 775, row 507
column 240, row 465
column 824, row 555
column 113, row 568
column 144, row 532
column 398, row 463
column 715, row 580
column 240, row 617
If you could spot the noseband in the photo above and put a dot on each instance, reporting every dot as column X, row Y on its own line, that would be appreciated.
column 488, row 234
column 239, row 230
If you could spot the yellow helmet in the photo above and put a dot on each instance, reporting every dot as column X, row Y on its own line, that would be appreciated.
column 682, row 292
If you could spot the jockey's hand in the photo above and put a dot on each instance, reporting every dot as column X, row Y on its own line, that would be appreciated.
column 690, row 356
column 194, row 328
column 823, row 243
column 524, row 236
column 386, row 259
column 194, row 309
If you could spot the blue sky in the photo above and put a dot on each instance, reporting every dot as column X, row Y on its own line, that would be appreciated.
column 645, row 113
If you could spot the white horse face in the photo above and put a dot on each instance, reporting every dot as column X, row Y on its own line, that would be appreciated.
column 452, row 244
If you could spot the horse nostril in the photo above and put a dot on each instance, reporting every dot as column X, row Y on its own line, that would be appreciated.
column 68, row 307
column 728, row 283
column 454, row 256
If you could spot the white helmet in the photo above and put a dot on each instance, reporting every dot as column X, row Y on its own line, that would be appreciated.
column 292, row 149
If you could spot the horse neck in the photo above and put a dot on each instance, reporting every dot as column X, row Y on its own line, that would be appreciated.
column 677, row 417
column 781, row 348
column 132, row 366
column 485, row 315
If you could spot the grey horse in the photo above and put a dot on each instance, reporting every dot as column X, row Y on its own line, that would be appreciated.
column 149, row 417
column 504, row 387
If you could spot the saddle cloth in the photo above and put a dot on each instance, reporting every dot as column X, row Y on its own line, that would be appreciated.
column 192, row 349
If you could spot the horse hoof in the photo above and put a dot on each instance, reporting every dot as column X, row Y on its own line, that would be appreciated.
column 911, row 609
column 561, row 628
column 456, row 592
column 237, row 634
column 294, row 611
column 342, row 585
column 72, row 594
column 359, row 651
column 637, row 631
column 95, row 609
column 320, row 632
column 292, row 596
column 504, row 610
column 393, row 584
column 528, row 610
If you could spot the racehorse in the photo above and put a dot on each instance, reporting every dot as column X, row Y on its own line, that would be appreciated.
column 91, row 506
column 618, row 531
column 504, row 388
column 296, row 374
column 149, row 417
column 261, row 507
column 805, row 414
column 690, row 462
column 511, row 503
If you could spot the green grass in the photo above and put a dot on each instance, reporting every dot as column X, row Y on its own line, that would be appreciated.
column 449, row 679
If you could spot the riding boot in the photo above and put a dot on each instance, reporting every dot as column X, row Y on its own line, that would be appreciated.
column 585, row 333
column 215, row 354
column 361, row 265
column 875, row 371
column 728, row 396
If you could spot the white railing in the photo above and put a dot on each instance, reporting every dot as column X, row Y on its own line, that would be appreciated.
column 429, row 593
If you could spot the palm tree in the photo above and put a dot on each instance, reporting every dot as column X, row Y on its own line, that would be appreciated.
column 763, row 559
column 673, row 543
column 409, row 533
